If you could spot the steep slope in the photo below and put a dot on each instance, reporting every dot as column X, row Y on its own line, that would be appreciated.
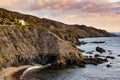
column 64, row 31
column 22, row 45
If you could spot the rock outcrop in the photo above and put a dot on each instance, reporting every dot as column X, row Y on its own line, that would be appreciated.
column 99, row 49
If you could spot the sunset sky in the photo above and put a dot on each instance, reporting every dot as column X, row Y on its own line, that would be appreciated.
column 102, row 14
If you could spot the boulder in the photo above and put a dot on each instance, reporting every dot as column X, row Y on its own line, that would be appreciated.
column 98, row 42
column 118, row 55
column 108, row 65
column 81, row 43
column 111, row 57
column 97, row 55
column 99, row 49
column 81, row 65
column 93, row 61
column 89, row 53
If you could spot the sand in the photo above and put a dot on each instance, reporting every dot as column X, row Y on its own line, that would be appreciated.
column 12, row 73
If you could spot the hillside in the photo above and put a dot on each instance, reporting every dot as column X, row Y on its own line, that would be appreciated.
column 64, row 31
column 26, row 39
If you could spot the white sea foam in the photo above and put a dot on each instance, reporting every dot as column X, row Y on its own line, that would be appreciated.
column 33, row 68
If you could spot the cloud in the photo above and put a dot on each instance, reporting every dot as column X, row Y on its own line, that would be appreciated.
column 87, row 6
column 54, row 4
column 14, row 4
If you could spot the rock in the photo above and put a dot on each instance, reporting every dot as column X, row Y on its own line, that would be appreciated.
column 95, row 64
column 108, row 65
column 101, row 50
column 71, row 62
column 97, row 42
column 111, row 57
column 105, row 60
column 92, row 51
column 97, row 55
column 118, row 55
column 111, row 63
column 85, row 56
column 89, row 53
column 81, row 50
column 94, row 61
column 81, row 43
column 90, row 56
column 109, row 51
column 81, row 65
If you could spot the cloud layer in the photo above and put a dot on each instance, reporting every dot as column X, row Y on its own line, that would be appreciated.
column 88, row 6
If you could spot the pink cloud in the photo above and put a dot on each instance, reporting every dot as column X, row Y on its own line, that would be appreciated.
column 14, row 4
column 87, row 6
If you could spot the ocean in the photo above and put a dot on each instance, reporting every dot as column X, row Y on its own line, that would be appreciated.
column 90, row 72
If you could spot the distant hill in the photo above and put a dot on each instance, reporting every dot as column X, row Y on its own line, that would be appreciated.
column 116, row 33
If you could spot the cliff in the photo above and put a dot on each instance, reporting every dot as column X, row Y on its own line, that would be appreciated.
column 40, row 41
column 22, row 45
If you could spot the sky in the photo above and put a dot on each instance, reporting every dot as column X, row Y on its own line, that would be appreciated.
column 101, row 14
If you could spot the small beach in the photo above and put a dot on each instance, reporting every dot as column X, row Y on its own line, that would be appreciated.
column 12, row 73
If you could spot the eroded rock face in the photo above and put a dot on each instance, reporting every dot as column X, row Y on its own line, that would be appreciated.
column 22, row 45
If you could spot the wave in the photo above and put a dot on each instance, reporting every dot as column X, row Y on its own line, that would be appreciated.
column 33, row 68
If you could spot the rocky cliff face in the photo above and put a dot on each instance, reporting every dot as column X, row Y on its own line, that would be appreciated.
column 22, row 45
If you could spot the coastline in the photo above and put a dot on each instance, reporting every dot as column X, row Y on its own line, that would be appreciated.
column 12, row 73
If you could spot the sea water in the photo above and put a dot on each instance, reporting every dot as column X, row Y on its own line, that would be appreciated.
column 90, row 72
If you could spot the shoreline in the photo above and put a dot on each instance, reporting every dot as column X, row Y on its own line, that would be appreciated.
column 13, row 73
